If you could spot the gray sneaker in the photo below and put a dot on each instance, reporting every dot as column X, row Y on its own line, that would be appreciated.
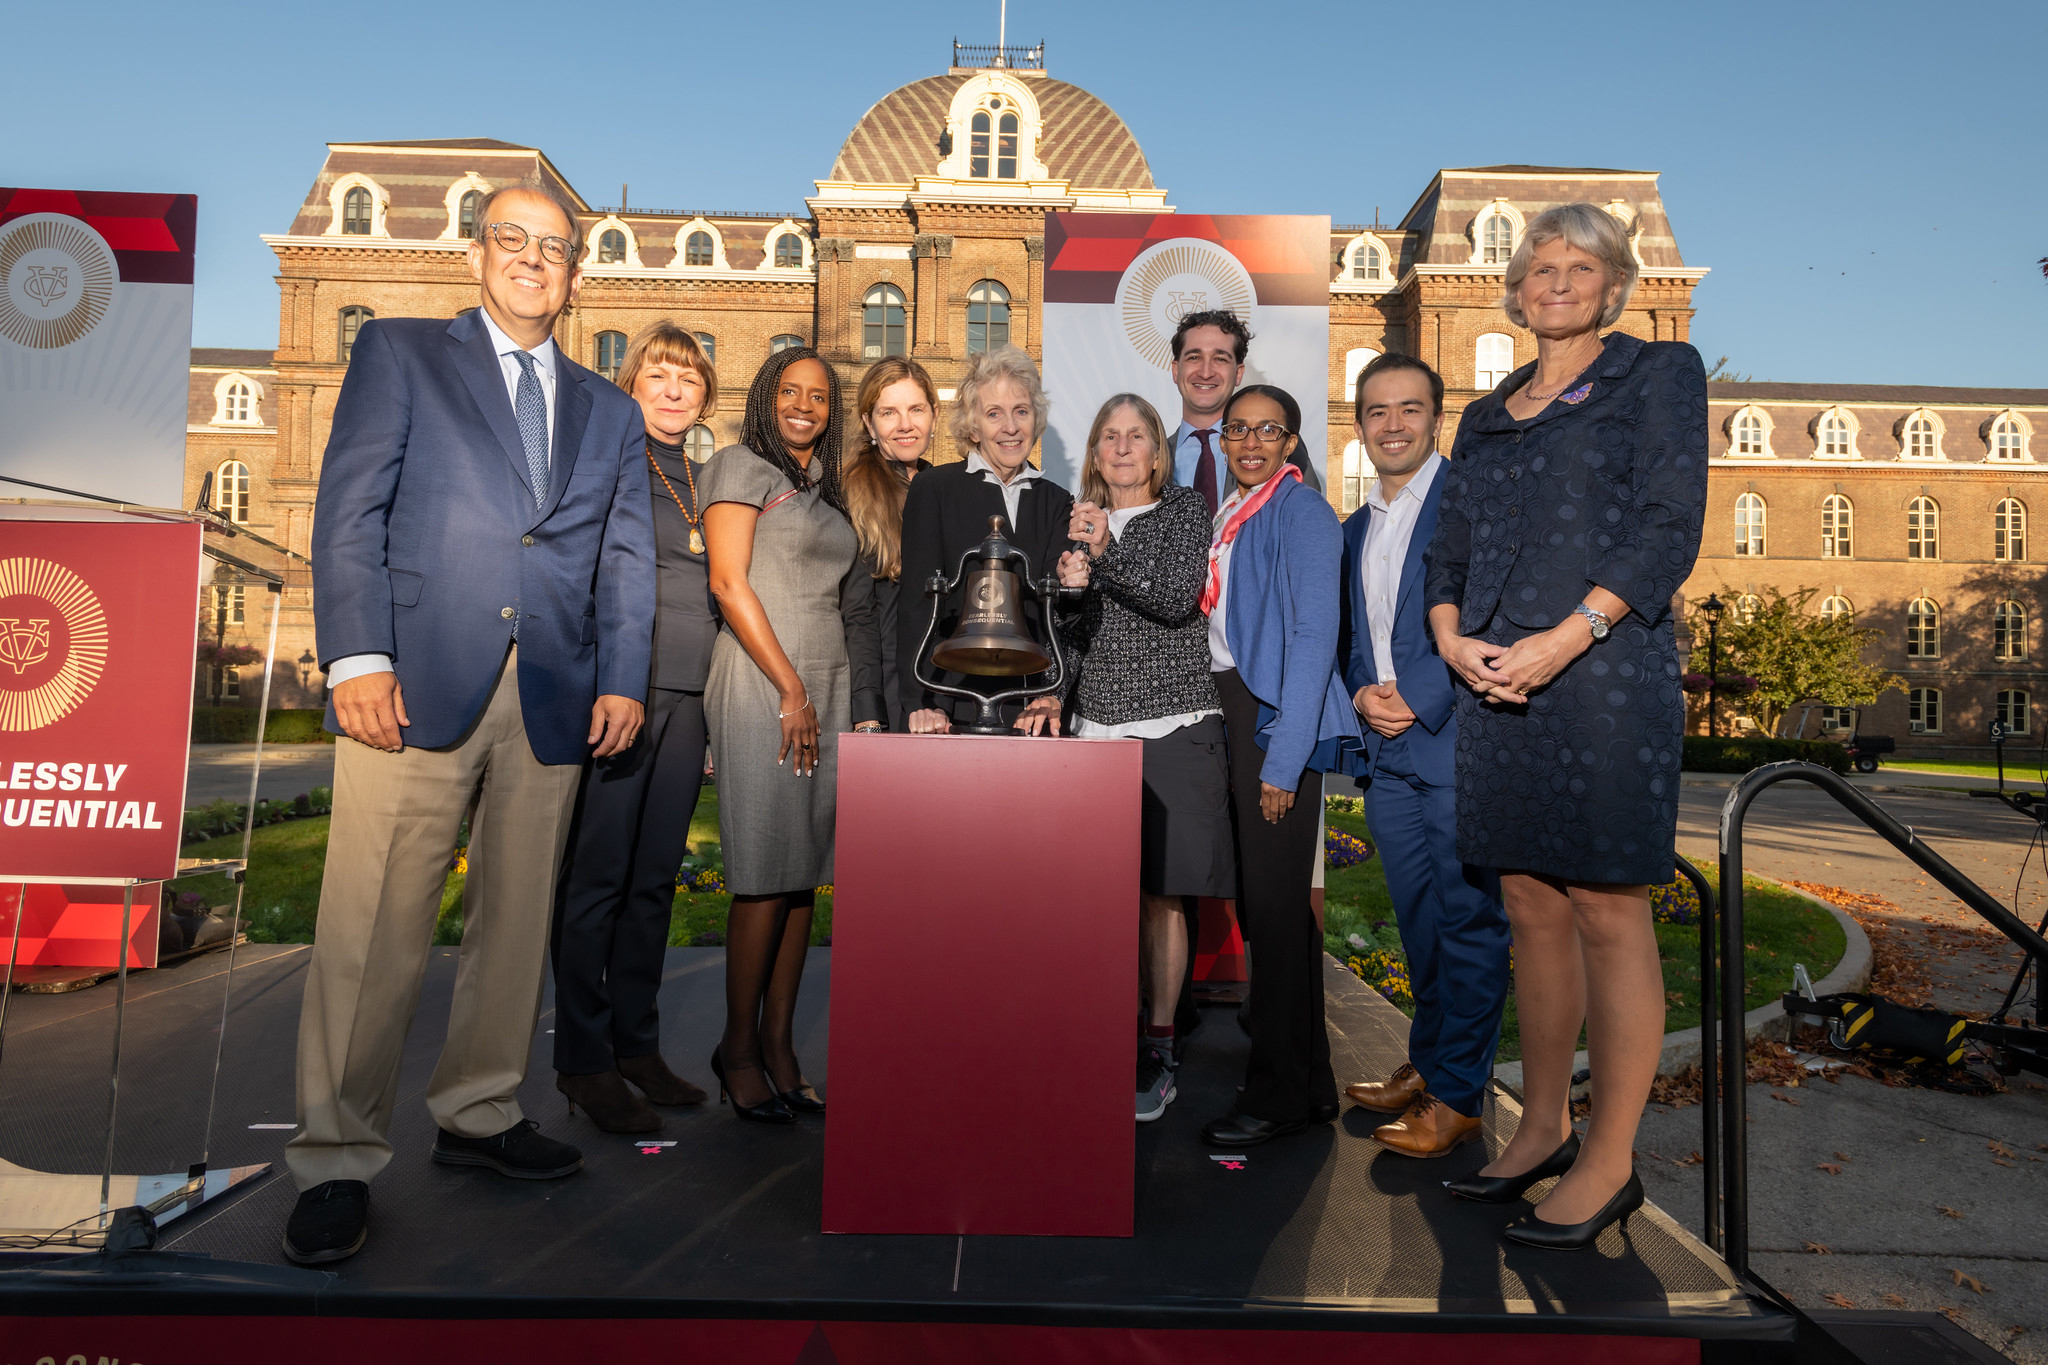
column 1155, row 1083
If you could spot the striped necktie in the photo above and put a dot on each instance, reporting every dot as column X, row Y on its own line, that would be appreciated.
column 532, row 410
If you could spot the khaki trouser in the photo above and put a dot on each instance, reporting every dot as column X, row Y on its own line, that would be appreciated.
column 396, row 819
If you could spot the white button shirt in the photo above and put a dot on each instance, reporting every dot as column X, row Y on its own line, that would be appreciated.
column 1012, row 491
column 1220, row 657
column 357, row 665
column 1387, row 538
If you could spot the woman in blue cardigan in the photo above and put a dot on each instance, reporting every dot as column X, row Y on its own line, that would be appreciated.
column 1271, row 599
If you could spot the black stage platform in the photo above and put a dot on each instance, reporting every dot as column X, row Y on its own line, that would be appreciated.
column 1324, row 1233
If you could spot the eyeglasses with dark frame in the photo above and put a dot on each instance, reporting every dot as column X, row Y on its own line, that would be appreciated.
column 1270, row 433
column 512, row 237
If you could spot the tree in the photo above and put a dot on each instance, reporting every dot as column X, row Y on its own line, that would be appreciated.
column 1794, row 654
column 1719, row 372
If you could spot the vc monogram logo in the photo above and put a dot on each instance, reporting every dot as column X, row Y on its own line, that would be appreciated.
column 22, row 647
column 1184, row 302
column 47, row 283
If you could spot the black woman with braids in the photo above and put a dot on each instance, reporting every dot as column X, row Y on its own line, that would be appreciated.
column 778, row 697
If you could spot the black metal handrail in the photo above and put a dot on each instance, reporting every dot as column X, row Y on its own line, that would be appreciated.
column 1730, row 1235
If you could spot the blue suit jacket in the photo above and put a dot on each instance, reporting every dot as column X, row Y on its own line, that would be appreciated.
column 1281, row 618
column 425, row 534
column 1421, row 675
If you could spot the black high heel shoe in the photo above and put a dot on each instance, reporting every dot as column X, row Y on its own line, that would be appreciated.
column 770, row 1110
column 1506, row 1189
column 1532, row 1231
column 802, row 1100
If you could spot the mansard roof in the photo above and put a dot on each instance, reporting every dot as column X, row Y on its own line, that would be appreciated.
column 1083, row 142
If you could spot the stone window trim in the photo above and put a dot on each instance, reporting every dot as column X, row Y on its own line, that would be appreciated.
column 380, row 204
column 683, row 234
column 1923, row 528
column 1493, row 360
column 1923, row 628
column 784, row 228
column 1835, row 431
column 593, row 237
column 973, row 97
column 2008, row 437
column 1922, row 427
column 1750, row 514
column 988, row 307
column 1347, row 262
column 2009, row 531
column 1835, row 605
column 2009, row 632
column 470, row 181
column 231, row 491
column 348, row 325
column 1754, row 423
column 237, row 410
column 1477, row 231
column 1837, row 527
column 1355, row 361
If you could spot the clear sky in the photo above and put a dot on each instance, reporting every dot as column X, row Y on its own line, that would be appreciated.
column 1866, row 180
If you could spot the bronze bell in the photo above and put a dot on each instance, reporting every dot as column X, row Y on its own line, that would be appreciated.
column 991, row 639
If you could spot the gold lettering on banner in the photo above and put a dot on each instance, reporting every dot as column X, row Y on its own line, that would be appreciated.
column 23, row 647
column 38, row 593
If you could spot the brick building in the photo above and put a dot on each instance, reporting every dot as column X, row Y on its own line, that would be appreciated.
column 926, row 238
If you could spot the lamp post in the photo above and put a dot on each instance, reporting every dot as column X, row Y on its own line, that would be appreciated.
column 306, row 662
column 1713, row 607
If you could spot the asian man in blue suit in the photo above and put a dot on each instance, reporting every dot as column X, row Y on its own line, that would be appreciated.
column 483, row 562
column 1453, row 927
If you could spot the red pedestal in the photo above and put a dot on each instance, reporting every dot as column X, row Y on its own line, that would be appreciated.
column 984, row 977
column 80, row 926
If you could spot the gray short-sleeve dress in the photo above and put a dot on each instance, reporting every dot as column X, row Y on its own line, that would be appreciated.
column 776, row 827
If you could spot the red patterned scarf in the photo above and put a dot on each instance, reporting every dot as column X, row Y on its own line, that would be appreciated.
column 1212, row 591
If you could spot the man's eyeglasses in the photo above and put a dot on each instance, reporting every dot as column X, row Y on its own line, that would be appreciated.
column 1270, row 433
column 512, row 237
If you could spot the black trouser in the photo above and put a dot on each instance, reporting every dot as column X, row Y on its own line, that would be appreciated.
column 617, row 888
column 1289, row 1073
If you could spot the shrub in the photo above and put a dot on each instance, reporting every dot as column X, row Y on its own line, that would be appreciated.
column 237, row 725
column 1705, row 755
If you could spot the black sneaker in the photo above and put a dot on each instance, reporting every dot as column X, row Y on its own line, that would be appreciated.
column 329, row 1223
column 1156, row 1088
column 520, row 1152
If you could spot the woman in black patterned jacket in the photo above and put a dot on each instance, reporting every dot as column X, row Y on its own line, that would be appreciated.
column 1143, row 673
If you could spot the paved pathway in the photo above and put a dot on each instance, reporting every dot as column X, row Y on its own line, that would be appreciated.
column 220, row 772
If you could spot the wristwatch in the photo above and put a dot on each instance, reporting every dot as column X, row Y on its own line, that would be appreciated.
column 1596, row 619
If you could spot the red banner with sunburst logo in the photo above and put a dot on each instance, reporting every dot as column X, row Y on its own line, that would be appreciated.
column 95, row 695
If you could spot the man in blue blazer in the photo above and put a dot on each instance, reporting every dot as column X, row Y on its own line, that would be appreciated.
column 1453, row 927
column 483, row 564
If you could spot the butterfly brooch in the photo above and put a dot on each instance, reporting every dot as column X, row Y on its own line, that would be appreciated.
column 1576, row 396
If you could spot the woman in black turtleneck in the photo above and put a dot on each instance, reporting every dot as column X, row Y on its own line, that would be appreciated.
column 633, row 813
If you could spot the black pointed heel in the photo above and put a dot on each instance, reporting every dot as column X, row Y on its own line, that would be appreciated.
column 1506, row 1189
column 770, row 1110
column 1532, row 1231
column 803, row 1099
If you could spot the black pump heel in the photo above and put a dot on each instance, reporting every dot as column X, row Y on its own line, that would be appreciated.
column 1506, row 1189
column 1532, row 1231
column 770, row 1110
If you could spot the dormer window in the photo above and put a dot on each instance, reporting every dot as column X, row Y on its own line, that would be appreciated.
column 355, row 213
column 611, row 247
column 697, row 249
column 789, row 252
column 997, row 121
column 1496, row 240
column 465, row 214
column 1368, row 262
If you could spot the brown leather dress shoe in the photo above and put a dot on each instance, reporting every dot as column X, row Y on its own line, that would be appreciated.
column 657, row 1082
column 1391, row 1096
column 1429, row 1128
column 610, row 1105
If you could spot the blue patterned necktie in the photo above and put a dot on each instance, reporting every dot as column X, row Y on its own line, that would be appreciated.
column 532, row 410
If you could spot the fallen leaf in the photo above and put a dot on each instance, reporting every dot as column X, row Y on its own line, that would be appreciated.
column 1966, row 1281
column 2000, row 1161
column 1948, row 1211
column 1954, row 1315
column 1694, row 1160
column 1841, row 1156
column 1820, row 1248
column 1895, row 1300
column 2000, row 1148
column 1839, row 1300
column 1830, row 1167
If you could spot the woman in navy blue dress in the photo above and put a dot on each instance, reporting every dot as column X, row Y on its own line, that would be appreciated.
column 1571, row 517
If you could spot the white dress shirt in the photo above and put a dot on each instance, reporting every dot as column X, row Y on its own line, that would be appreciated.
column 1220, row 657
column 357, row 665
column 1387, row 538
column 1159, row 726
column 1012, row 491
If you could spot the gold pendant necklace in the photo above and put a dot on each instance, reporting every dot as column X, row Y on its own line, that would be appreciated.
column 696, row 536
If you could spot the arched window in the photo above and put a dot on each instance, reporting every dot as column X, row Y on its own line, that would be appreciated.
column 1494, row 360
column 784, row 342
column 1923, row 629
column 1749, row 435
column 1922, row 441
column 1006, row 147
column 1923, row 529
column 1357, row 476
column 1833, row 440
column 1749, row 525
column 611, row 354
column 2009, row 632
column 789, row 252
column 230, row 606
column 2014, row 709
column 1496, row 240
column 1837, row 525
column 237, row 404
column 350, row 322
column 709, row 345
column 988, row 317
column 977, row 145
column 231, row 491
column 1835, row 607
column 355, row 213
column 1355, row 361
column 697, row 249
column 611, row 247
column 881, row 322
column 2008, row 441
column 700, row 443
column 1747, row 606
column 466, row 211
column 1368, row 262
column 1923, row 710
column 2009, row 530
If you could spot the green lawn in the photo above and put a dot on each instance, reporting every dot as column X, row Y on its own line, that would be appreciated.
column 2022, row 764
column 285, row 862
column 1780, row 928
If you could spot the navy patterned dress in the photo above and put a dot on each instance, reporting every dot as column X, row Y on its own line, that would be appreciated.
column 1605, row 487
